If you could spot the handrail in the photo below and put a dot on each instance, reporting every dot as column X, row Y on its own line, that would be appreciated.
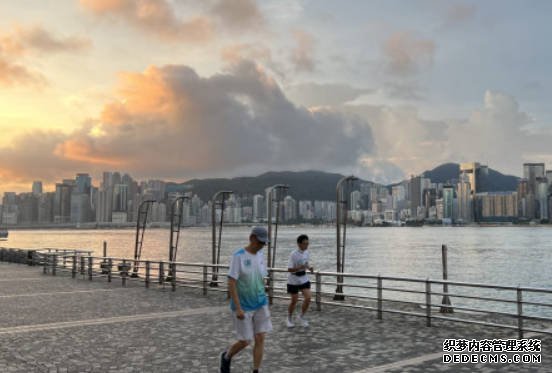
column 197, row 275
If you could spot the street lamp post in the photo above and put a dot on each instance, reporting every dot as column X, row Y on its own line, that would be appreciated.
column 341, row 230
column 215, row 244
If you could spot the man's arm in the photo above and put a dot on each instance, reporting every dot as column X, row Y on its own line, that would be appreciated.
column 235, row 298
column 291, row 265
column 297, row 269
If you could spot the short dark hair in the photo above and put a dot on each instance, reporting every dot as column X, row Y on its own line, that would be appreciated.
column 302, row 238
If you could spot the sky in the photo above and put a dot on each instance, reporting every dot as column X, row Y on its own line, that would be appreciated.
column 179, row 89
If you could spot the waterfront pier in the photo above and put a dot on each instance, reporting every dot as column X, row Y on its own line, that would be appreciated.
column 63, row 315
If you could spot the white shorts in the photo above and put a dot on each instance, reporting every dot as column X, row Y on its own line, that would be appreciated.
column 254, row 322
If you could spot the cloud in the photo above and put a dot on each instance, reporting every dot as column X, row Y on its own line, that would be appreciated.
column 23, row 39
column 154, row 16
column 170, row 122
column 328, row 94
column 15, row 74
column 496, row 134
column 405, row 59
column 32, row 155
column 459, row 13
column 302, row 55
column 405, row 140
column 238, row 14
column 406, row 55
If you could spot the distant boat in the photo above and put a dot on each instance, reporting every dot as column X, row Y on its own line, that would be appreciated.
column 3, row 233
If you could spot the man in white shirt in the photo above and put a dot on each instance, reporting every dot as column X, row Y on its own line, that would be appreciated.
column 248, row 300
column 298, row 280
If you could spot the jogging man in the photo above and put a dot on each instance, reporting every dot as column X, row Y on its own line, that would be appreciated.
column 248, row 300
column 298, row 280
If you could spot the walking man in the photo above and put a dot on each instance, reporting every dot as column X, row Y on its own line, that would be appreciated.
column 248, row 300
column 298, row 280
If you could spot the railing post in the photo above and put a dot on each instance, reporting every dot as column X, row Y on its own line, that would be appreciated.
column 148, row 269
column 82, row 264
column 64, row 260
column 109, row 269
column 173, row 276
column 90, row 264
column 446, row 298
column 161, row 273
column 519, row 313
column 318, row 291
column 205, row 276
column 74, row 267
column 270, row 286
column 54, row 264
column 124, row 273
column 428, row 302
column 380, row 298
column 45, row 259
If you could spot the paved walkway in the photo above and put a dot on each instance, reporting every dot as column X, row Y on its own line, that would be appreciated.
column 58, row 324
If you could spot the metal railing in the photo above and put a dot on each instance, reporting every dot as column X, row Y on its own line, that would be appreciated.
column 527, row 309
column 28, row 256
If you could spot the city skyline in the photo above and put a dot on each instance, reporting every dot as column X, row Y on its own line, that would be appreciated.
column 179, row 90
column 471, row 195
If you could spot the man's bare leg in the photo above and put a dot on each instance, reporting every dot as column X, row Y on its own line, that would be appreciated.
column 306, row 301
column 258, row 350
column 236, row 348
column 292, row 304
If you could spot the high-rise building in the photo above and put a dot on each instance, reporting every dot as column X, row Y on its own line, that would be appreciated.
column 448, row 202
column 46, row 208
column 474, row 173
column 80, row 207
column 120, row 197
column 355, row 200
column 531, row 172
column 415, row 194
column 498, row 206
column 398, row 194
column 290, row 208
column 542, row 198
column 27, row 208
column 103, row 205
column 62, row 201
column 430, row 195
column 306, row 210
column 523, row 192
column 258, row 208
column 83, row 183
column 195, row 206
column 440, row 208
column 465, row 205
column 37, row 188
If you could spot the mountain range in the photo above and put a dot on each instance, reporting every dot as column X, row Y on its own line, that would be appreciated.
column 319, row 185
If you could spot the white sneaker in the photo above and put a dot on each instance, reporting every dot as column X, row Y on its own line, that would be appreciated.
column 302, row 321
column 289, row 322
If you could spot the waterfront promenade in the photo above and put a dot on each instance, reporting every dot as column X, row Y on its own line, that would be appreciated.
column 59, row 324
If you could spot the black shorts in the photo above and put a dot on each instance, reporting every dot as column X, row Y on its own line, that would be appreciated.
column 294, row 289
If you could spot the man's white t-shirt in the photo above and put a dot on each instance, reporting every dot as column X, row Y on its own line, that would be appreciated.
column 249, row 271
column 298, row 258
